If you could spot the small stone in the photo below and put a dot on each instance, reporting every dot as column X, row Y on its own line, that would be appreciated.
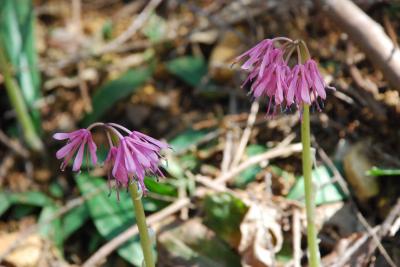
column 356, row 165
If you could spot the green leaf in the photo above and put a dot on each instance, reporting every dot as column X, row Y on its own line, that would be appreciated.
column 180, row 143
column 185, row 139
column 115, row 90
column 4, row 202
column 17, row 36
column 111, row 217
column 22, row 211
column 250, row 173
column 51, row 230
column 174, row 168
column 191, row 243
column 95, row 241
column 26, row 202
column 56, row 190
column 74, row 220
column 189, row 161
column 159, row 187
column 375, row 171
column 285, row 255
column 327, row 194
column 189, row 69
column 224, row 214
column 155, row 28
column 33, row 198
column 107, row 30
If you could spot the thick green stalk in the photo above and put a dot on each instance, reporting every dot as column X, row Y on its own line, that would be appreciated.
column 145, row 241
column 314, row 257
column 17, row 101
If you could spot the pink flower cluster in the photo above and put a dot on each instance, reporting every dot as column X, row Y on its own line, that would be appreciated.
column 129, row 159
column 271, row 76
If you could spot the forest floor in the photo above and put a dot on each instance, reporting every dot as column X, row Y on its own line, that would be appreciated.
column 233, row 192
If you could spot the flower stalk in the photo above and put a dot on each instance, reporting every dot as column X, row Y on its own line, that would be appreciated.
column 314, row 257
column 145, row 240
column 312, row 241
column 17, row 102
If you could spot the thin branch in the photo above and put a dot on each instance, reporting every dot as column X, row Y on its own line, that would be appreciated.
column 367, row 34
column 208, row 182
column 227, row 153
column 136, row 24
column 273, row 153
column 246, row 134
column 13, row 145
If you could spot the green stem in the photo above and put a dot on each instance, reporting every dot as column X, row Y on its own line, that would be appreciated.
column 145, row 241
column 314, row 257
column 17, row 101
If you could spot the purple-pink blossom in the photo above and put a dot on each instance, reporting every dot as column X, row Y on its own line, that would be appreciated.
column 272, row 77
column 137, row 154
column 130, row 157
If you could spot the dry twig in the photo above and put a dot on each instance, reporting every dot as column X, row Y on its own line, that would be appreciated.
column 273, row 153
column 370, row 37
column 13, row 145
column 136, row 24
column 227, row 153
column 246, row 134
column 296, row 238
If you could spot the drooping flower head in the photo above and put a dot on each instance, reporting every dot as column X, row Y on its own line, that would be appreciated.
column 77, row 141
column 129, row 159
column 136, row 155
column 271, row 76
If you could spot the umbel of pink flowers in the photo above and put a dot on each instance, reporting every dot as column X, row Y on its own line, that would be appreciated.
column 271, row 75
column 130, row 157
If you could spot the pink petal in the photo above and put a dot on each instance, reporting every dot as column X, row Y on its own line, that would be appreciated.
column 152, row 140
column 118, row 160
column 79, row 156
column 142, row 159
column 130, row 164
column 61, row 136
column 71, row 135
column 279, row 93
column 267, row 59
column 320, row 88
column 92, row 149
column 305, row 92
column 122, row 176
column 65, row 150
